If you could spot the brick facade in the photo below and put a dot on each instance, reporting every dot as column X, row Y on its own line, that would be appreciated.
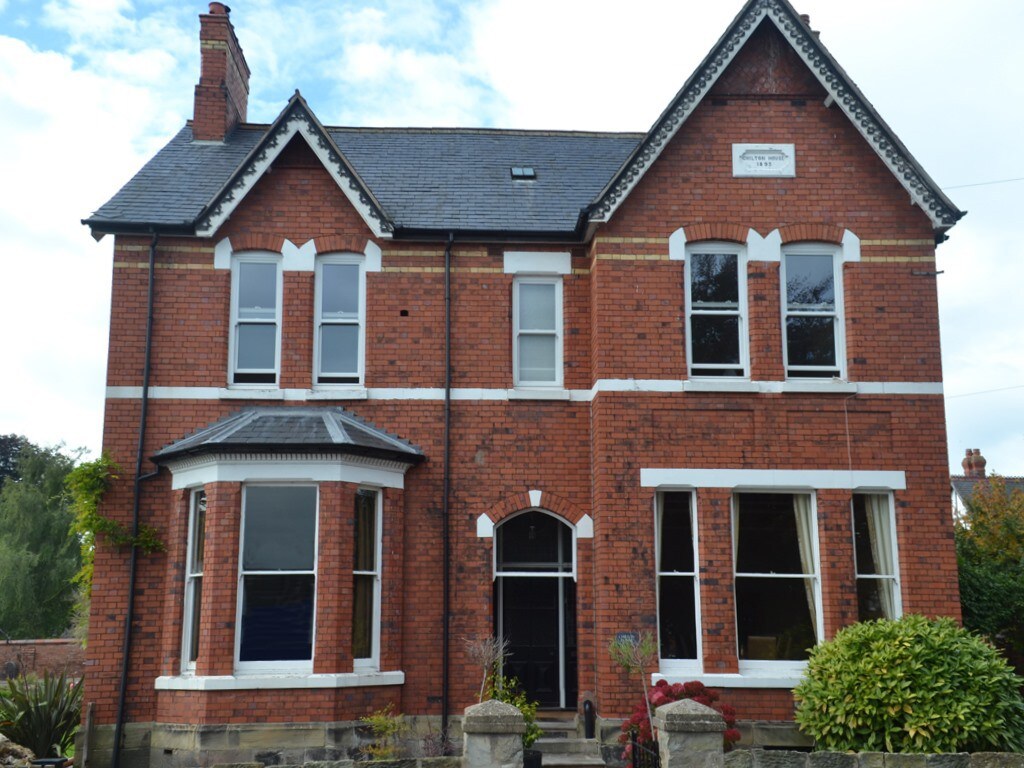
column 624, row 321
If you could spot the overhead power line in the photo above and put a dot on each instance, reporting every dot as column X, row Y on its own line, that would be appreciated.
column 984, row 392
column 984, row 183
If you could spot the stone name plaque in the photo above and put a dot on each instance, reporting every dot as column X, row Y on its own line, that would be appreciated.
column 764, row 160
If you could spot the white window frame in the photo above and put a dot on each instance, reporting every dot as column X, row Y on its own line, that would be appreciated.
column 894, row 553
column 713, row 247
column 254, row 257
column 776, row 668
column 190, row 628
column 372, row 662
column 359, row 260
column 838, row 312
column 557, row 332
column 667, row 666
column 302, row 666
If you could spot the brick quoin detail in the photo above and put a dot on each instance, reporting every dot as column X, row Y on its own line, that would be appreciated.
column 821, row 233
column 550, row 502
column 713, row 230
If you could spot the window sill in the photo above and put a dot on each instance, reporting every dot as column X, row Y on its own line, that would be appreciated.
column 721, row 385
column 250, row 393
column 276, row 681
column 835, row 386
column 525, row 393
column 785, row 679
column 340, row 392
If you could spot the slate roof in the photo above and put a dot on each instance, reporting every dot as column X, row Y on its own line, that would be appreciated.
column 297, row 429
column 964, row 486
column 425, row 179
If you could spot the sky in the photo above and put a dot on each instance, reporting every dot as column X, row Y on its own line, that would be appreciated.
column 90, row 89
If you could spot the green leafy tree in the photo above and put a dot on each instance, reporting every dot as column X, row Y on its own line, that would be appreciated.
column 38, row 554
column 10, row 447
column 990, row 557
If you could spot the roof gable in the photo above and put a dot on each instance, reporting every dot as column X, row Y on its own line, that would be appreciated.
column 842, row 92
column 297, row 119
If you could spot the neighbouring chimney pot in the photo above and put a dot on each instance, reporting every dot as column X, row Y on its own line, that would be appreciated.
column 219, row 9
column 978, row 463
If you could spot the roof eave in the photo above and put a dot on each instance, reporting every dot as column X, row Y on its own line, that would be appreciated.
column 166, row 457
column 102, row 227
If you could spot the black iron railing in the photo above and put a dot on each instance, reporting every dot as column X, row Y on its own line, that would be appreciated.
column 643, row 755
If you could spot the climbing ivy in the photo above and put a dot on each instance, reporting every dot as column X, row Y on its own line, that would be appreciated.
column 86, row 484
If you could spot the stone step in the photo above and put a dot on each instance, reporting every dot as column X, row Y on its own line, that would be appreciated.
column 556, row 760
column 568, row 746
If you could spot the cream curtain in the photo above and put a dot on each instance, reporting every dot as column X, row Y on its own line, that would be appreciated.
column 880, row 536
column 805, row 540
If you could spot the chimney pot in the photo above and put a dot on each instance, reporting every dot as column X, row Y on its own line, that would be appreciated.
column 978, row 463
column 219, row 9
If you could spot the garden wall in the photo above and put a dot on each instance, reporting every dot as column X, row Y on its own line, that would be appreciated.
column 39, row 656
column 761, row 758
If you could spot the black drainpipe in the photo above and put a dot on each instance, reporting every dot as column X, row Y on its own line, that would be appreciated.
column 446, row 589
column 136, row 503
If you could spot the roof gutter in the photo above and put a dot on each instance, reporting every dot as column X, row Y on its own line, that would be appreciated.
column 101, row 227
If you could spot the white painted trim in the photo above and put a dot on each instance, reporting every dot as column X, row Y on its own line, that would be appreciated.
column 298, row 258
column 537, row 393
column 713, row 680
column 295, row 125
column 193, row 472
column 373, row 256
column 677, row 245
column 222, row 254
column 767, row 248
column 585, row 527
column 851, row 246
column 537, row 263
column 809, row 479
column 484, row 527
column 535, row 497
column 276, row 682
column 467, row 394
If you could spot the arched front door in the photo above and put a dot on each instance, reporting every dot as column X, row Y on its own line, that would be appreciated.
column 535, row 605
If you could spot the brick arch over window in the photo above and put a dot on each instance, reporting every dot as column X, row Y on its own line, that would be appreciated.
column 332, row 243
column 552, row 502
column 716, row 230
column 257, row 241
column 819, row 233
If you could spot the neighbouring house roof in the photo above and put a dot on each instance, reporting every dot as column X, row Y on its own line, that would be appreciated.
column 296, row 429
column 964, row 486
column 411, row 182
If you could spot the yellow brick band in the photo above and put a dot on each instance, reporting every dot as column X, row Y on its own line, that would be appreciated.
column 632, row 257
column 145, row 265
column 899, row 259
column 868, row 243
column 655, row 240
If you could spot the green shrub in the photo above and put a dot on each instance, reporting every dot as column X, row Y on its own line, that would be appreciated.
column 508, row 690
column 910, row 685
column 386, row 726
column 42, row 715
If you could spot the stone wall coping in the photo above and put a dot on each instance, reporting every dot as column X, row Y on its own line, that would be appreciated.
column 493, row 716
column 688, row 716
column 760, row 758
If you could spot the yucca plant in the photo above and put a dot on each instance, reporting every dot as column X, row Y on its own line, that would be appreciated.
column 42, row 715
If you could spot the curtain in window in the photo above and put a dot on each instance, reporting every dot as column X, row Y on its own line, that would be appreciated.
column 880, row 536
column 805, row 540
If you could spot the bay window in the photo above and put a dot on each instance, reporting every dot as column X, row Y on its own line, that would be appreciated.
column 678, row 597
column 366, row 579
column 194, row 577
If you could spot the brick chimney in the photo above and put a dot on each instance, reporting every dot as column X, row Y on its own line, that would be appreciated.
column 974, row 463
column 222, row 94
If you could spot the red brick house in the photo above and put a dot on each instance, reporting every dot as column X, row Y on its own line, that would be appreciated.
column 403, row 387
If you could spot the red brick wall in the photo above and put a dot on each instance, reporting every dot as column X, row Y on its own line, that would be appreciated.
column 624, row 319
column 34, row 657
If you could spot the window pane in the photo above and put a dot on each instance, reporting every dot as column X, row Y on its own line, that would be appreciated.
column 257, row 290
column 537, row 306
column 714, row 279
column 874, row 596
column 362, row 617
column 339, row 292
column 280, row 528
column 198, row 532
column 277, row 618
column 773, row 618
column 810, row 281
column 257, row 346
column 339, row 349
column 716, row 339
column 677, row 618
column 534, row 542
column 811, row 341
column 196, row 602
column 366, row 532
column 537, row 358
column 766, row 534
column 676, row 533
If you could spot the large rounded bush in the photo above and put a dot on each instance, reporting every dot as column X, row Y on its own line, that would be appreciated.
column 910, row 685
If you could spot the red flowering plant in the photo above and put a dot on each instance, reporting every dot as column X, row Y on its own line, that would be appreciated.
column 664, row 693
